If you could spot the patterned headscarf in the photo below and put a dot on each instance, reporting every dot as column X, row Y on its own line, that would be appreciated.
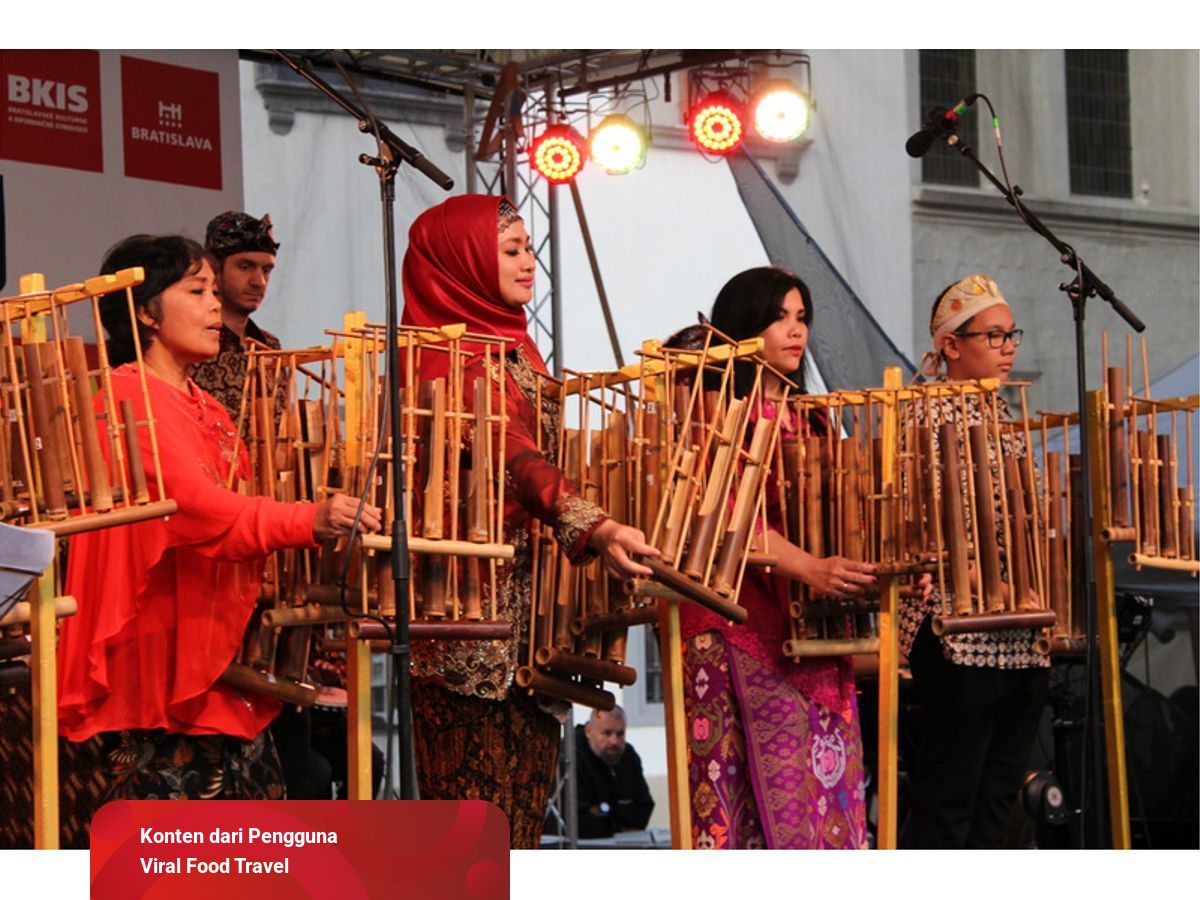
column 959, row 303
column 237, row 232
column 962, row 301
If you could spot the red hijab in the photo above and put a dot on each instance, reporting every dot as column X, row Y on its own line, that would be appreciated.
column 451, row 274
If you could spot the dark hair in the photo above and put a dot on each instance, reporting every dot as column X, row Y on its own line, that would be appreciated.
column 749, row 303
column 165, row 260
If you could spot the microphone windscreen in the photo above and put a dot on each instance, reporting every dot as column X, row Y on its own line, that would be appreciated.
column 919, row 144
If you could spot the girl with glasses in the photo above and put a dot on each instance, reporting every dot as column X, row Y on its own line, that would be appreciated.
column 980, row 695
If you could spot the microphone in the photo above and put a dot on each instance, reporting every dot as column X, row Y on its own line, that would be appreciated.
column 939, row 123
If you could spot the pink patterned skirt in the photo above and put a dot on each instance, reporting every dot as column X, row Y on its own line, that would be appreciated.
column 767, row 768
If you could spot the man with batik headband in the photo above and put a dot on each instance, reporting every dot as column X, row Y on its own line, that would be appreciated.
column 245, row 252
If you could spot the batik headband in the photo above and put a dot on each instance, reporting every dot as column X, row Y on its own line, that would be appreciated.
column 962, row 301
column 236, row 232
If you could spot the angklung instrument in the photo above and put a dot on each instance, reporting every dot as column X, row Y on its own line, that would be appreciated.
column 69, row 463
column 665, row 446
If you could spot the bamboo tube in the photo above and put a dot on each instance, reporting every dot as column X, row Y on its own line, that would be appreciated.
column 597, row 669
column 652, row 466
column 59, row 397
column 1020, row 569
column 1137, row 560
column 477, row 493
column 790, row 462
column 853, row 543
column 814, row 498
column 99, row 486
column 622, row 618
column 987, row 553
column 680, row 488
column 1187, row 522
column 943, row 625
column 955, row 527
column 695, row 592
column 566, row 589
column 1118, row 456
column 471, row 589
column 291, row 653
column 1149, row 454
column 122, row 516
column 553, row 686
column 383, row 598
column 800, row 648
column 133, row 453
column 434, row 399
column 615, row 478
column 420, row 546
column 1118, row 535
column 927, row 478
column 485, row 630
column 293, row 616
column 53, row 486
column 1167, row 496
column 1060, row 593
column 738, row 532
column 432, row 587
column 716, row 493
column 541, row 626
column 248, row 679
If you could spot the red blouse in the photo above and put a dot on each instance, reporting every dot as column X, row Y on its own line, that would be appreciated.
column 163, row 604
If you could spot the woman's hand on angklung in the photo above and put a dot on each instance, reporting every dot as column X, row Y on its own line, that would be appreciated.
column 836, row 576
column 617, row 544
column 925, row 584
column 335, row 517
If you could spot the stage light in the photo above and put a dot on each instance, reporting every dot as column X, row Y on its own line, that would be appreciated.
column 781, row 112
column 558, row 153
column 715, row 123
column 617, row 144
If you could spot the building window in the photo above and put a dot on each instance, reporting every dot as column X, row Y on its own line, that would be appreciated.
column 652, row 667
column 1098, row 122
column 643, row 701
column 948, row 76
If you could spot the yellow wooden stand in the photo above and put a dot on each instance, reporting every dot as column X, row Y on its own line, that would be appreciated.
column 1106, row 623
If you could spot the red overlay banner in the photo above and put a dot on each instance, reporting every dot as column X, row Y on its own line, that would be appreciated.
column 171, row 119
column 227, row 849
column 50, row 108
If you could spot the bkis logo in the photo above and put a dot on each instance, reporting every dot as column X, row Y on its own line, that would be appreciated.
column 50, row 106
column 47, row 94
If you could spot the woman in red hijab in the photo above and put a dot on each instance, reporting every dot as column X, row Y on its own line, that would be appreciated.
column 470, row 260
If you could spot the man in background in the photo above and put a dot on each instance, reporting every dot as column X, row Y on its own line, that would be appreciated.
column 611, row 789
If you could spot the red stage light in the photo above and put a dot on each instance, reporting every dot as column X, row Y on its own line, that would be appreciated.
column 715, row 123
column 558, row 153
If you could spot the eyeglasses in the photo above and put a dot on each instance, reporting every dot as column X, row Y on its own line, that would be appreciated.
column 996, row 339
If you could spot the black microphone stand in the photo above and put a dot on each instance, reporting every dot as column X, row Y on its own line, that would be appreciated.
column 393, row 152
column 1085, row 284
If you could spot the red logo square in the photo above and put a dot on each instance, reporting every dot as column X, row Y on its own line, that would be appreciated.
column 50, row 108
column 171, row 122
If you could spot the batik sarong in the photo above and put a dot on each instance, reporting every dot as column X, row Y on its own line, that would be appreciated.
column 767, row 767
